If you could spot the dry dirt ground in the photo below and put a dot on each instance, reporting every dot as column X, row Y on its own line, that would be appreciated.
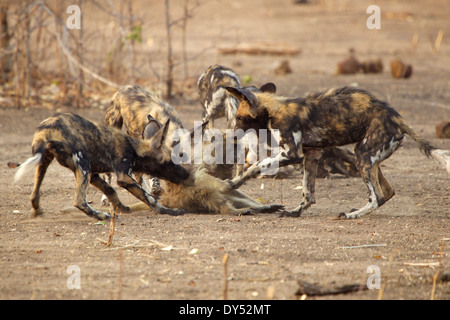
column 161, row 257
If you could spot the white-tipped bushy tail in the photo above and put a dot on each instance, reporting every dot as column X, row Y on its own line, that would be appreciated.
column 28, row 165
column 443, row 156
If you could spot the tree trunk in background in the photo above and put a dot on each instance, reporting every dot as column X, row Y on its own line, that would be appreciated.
column 5, row 58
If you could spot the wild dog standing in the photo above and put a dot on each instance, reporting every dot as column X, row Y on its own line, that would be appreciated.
column 327, row 119
column 142, row 113
column 89, row 149
column 214, row 98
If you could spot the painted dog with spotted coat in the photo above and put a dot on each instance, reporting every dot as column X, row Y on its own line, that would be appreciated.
column 89, row 149
column 142, row 113
column 322, row 120
column 216, row 101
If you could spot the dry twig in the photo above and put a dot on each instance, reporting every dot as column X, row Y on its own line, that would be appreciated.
column 225, row 275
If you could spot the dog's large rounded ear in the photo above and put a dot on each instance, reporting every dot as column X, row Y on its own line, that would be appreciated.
column 151, row 128
column 269, row 87
column 244, row 95
column 160, row 136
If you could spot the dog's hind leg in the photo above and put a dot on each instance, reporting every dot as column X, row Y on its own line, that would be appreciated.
column 369, row 166
column 41, row 169
column 109, row 193
column 107, row 179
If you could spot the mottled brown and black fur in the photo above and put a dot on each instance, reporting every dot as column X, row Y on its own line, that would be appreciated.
column 130, row 108
column 89, row 149
column 322, row 120
column 142, row 113
column 214, row 98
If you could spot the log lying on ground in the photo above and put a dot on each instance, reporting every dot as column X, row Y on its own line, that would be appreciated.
column 263, row 48
column 317, row 290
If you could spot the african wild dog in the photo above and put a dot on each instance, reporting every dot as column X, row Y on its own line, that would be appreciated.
column 214, row 98
column 89, row 149
column 327, row 119
column 218, row 102
column 142, row 113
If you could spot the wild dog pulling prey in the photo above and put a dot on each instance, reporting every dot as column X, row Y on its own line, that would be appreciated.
column 322, row 120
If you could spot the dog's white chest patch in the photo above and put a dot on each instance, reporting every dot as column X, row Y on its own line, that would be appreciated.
column 297, row 137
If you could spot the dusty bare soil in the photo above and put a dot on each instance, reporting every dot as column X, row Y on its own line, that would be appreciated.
column 161, row 257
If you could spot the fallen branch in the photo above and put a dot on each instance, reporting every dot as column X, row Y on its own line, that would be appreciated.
column 421, row 264
column 365, row 246
column 261, row 49
column 112, row 227
column 309, row 289
column 225, row 275
column 436, row 275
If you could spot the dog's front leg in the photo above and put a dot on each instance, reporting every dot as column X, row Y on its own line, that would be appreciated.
column 83, row 177
column 109, row 193
column 125, row 181
column 310, row 164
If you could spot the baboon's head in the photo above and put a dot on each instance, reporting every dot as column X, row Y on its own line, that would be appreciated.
column 156, row 157
column 251, row 114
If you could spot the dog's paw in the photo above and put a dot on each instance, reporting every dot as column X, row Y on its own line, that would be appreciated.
column 350, row 215
column 341, row 216
column 101, row 216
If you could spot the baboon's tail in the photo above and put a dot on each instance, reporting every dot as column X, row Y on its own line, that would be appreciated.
column 440, row 155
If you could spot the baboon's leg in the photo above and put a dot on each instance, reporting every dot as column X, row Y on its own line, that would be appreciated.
column 83, row 177
column 109, row 193
column 39, row 177
column 310, row 164
column 240, row 200
column 128, row 183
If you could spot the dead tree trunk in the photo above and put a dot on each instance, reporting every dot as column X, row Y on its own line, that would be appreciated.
column 5, row 56
column 170, row 65
column 80, row 58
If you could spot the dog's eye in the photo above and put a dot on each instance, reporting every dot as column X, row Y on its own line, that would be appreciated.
column 239, row 118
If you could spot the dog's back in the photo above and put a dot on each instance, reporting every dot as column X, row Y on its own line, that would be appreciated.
column 333, row 117
column 67, row 135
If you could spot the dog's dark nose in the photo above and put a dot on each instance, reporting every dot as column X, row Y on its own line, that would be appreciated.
column 179, row 175
column 185, row 174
